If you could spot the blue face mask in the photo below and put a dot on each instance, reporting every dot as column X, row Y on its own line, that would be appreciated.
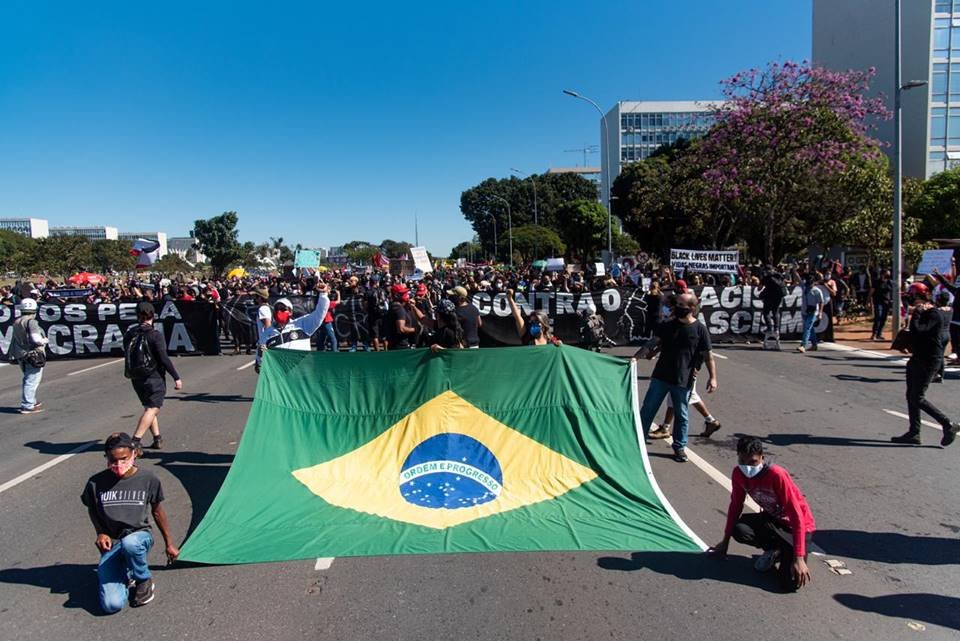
column 536, row 330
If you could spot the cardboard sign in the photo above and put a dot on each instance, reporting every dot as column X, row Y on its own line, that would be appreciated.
column 421, row 260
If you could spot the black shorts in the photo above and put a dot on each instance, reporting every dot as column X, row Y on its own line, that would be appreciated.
column 376, row 329
column 150, row 391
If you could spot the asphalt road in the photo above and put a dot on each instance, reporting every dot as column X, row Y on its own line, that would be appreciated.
column 891, row 513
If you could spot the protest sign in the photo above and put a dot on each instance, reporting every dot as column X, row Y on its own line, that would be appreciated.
column 935, row 259
column 706, row 260
column 421, row 260
column 306, row 258
column 78, row 330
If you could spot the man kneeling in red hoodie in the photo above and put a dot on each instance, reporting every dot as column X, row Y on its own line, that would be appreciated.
column 783, row 527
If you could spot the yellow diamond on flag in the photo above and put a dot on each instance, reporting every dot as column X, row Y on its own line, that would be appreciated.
column 445, row 464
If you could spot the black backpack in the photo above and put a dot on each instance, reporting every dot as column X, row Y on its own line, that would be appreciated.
column 138, row 362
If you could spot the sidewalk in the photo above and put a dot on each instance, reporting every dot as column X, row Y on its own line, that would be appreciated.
column 857, row 334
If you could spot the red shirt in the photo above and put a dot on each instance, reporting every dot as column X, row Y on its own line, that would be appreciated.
column 775, row 492
column 328, row 318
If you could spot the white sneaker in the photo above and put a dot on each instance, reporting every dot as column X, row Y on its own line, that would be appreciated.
column 766, row 561
column 801, row 349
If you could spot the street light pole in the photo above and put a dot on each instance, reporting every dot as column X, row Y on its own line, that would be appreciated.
column 606, row 136
column 494, row 219
column 509, row 224
column 530, row 176
column 899, row 88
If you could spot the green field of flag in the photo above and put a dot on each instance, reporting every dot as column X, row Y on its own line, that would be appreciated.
column 412, row 452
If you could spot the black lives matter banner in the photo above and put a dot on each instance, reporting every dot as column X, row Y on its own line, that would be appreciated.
column 730, row 313
column 79, row 330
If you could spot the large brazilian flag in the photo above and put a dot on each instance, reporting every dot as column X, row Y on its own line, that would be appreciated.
column 410, row 452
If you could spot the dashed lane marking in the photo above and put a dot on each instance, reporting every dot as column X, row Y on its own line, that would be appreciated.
column 89, row 369
column 324, row 563
column 924, row 422
column 250, row 364
column 46, row 466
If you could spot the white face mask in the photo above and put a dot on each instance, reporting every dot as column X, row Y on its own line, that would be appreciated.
column 750, row 470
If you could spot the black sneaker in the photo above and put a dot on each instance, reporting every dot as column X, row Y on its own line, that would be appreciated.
column 910, row 438
column 709, row 428
column 157, row 443
column 143, row 593
column 680, row 456
column 950, row 434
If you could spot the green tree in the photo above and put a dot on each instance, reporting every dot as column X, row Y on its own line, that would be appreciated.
column 395, row 249
column 281, row 251
column 13, row 248
column 624, row 245
column 172, row 264
column 112, row 255
column 937, row 206
column 531, row 242
column 360, row 251
column 217, row 238
column 467, row 250
column 481, row 203
column 584, row 225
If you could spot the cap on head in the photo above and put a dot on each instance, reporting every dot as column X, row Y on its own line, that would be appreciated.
column 682, row 285
column 262, row 292
column 919, row 290
column 459, row 291
column 399, row 289
column 28, row 306
column 285, row 302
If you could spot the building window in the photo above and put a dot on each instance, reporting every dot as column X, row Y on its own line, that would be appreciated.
column 938, row 126
column 939, row 88
column 953, row 127
column 941, row 37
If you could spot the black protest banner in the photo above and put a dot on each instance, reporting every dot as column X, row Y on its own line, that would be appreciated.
column 624, row 314
column 730, row 313
column 734, row 313
column 241, row 315
column 79, row 330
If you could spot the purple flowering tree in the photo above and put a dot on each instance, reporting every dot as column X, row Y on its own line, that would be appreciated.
column 781, row 148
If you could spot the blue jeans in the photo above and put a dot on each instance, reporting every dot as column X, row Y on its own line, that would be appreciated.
column 328, row 338
column 126, row 560
column 31, row 381
column 680, row 396
column 809, row 330
column 880, row 313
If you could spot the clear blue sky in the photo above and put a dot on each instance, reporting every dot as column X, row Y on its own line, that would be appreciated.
column 327, row 122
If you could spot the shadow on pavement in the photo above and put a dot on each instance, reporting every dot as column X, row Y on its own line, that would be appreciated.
column 865, row 379
column 204, row 397
column 78, row 582
column 46, row 447
column 931, row 608
column 809, row 439
column 694, row 567
column 201, row 475
column 890, row 547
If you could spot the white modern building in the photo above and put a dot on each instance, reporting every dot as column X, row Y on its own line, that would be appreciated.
column 860, row 34
column 32, row 227
column 590, row 173
column 158, row 236
column 182, row 246
column 93, row 233
column 636, row 128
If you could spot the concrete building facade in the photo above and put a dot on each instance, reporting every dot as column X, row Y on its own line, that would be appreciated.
column 32, row 227
column 860, row 34
column 93, row 232
column 636, row 128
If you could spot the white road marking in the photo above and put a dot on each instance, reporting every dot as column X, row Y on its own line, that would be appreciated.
column 324, row 563
column 46, row 466
column 88, row 369
column 839, row 347
column 4, row 364
column 721, row 356
column 716, row 475
column 902, row 415
column 250, row 364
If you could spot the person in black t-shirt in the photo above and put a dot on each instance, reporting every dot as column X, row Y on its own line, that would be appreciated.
column 399, row 327
column 882, row 304
column 683, row 344
column 117, row 499
column 152, row 388
column 468, row 315
column 448, row 333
